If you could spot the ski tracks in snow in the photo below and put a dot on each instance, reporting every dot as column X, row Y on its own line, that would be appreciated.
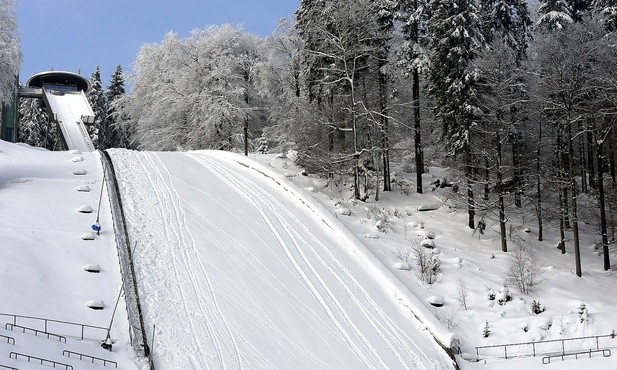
column 311, row 259
column 269, row 301
column 208, row 328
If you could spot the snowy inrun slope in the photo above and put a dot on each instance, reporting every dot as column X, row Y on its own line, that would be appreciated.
column 238, row 270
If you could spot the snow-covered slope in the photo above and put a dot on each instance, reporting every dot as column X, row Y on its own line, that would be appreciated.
column 238, row 270
column 43, row 255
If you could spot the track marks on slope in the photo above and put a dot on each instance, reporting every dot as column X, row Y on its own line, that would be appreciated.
column 192, row 276
column 294, row 243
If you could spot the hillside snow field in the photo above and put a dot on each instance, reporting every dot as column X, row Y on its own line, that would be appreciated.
column 240, row 269
column 248, row 262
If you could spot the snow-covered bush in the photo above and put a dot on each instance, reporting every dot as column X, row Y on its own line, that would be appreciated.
column 381, row 217
column 503, row 296
column 583, row 314
column 403, row 256
column 486, row 330
column 428, row 264
column 490, row 294
column 462, row 294
column 537, row 308
column 262, row 145
column 524, row 269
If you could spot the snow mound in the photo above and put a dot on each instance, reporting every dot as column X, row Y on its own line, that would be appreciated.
column 92, row 268
column 80, row 172
column 83, row 188
column 402, row 266
column 95, row 304
column 87, row 236
column 77, row 159
column 344, row 211
column 85, row 209
column 429, row 207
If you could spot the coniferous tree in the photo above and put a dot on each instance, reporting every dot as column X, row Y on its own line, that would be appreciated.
column 96, row 97
column 115, row 90
column 454, row 41
column 553, row 15
column 34, row 126
column 411, row 14
column 608, row 10
column 579, row 8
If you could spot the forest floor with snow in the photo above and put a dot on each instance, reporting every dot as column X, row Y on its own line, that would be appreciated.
column 472, row 273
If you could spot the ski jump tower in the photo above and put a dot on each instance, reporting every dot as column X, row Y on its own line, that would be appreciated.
column 66, row 103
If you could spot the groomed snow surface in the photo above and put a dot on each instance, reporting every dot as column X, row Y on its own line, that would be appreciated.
column 43, row 259
column 247, row 263
column 239, row 270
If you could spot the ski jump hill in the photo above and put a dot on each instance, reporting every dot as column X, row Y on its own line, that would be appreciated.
column 233, row 266
column 66, row 103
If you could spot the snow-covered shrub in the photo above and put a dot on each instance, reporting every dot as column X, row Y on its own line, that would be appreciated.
column 537, row 308
column 403, row 256
column 262, row 145
column 490, row 294
column 524, row 269
column 381, row 217
column 583, row 314
column 428, row 264
column 486, row 330
column 428, row 243
column 462, row 294
column 503, row 296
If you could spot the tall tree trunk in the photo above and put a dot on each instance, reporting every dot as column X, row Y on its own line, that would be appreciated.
column 573, row 192
column 539, row 184
column 499, row 185
column 469, row 175
column 415, row 96
column 562, row 163
column 603, row 226
column 487, row 174
column 611, row 157
column 384, row 129
column 516, row 163
column 562, row 222
column 419, row 153
column 583, row 161
column 591, row 145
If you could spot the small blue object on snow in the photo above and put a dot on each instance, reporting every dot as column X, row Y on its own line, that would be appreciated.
column 97, row 227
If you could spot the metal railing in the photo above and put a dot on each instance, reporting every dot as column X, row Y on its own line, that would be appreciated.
column 8, row 367
column 36, row 332
column 605, row 353
column 8, row 339
column 536, row 346
column 68, row 353
column 61, row 327
column 42, row 361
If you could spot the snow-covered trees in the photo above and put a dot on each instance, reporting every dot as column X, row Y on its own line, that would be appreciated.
column 10, row 53
column 411, row 13
column 34, row 126
column 96, row 97
column 330, row 85
column 112, row 135
column 197, row 90
column 554, row 15
column 454, row 41
column 346, row 44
